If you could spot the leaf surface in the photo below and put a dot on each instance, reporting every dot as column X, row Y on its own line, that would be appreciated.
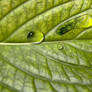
column 62, row 63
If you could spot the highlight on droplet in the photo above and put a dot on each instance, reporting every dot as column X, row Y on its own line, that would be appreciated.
column 35, row 37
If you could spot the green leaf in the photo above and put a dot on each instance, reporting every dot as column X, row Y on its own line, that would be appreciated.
column 62, row 63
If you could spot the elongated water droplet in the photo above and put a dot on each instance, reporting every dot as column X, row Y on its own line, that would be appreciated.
column 35, row 37
column 70, row 25
column 65, row 27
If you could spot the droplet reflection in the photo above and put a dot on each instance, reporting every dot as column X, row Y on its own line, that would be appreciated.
column 60, row 46
column 35, row 37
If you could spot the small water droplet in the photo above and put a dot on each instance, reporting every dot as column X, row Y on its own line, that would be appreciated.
column 60, row 46
column 35, row 37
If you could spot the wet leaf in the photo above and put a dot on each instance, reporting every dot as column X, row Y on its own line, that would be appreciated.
column 62, row 62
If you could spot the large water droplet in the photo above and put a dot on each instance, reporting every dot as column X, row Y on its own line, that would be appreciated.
column 72, row 24
column 35, row 37
column 62, row 29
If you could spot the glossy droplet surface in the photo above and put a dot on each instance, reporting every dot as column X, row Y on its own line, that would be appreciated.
column 62, row 29
column 60, row 46
column 35, row 37
column 76, row 23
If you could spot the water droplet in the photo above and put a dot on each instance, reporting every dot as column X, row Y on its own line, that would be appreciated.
column 76, row 23
column 60, row 46
column 35, row 37
column 62, row 29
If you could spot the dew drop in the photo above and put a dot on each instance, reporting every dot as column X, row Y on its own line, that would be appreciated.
column 35, row 37
column 65, row 28
column 60, row 46
column 76, row 23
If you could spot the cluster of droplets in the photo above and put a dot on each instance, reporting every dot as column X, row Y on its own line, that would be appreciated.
column 31, row 35
column 38, row 37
